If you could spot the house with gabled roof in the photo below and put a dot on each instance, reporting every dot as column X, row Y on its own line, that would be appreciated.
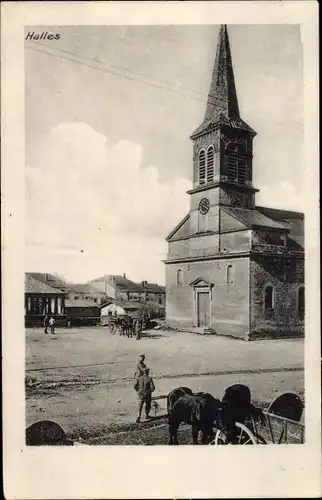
column 42, row 299
column 85, row 292
column 232, row 266
column 118, row 287
column 153, row 292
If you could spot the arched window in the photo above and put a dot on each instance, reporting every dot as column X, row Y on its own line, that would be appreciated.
column 269, row 298
column 230, row 274
column 202, row 167
column 301, row 302
column 210, row 164
column 179, row 277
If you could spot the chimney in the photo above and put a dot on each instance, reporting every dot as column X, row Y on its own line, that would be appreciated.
column 124, row 275
column 144, row 283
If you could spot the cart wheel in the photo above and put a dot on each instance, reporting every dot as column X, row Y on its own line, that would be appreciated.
column 220, row 438
column 244, row 436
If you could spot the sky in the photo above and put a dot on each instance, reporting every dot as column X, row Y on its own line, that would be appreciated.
column 108, row 154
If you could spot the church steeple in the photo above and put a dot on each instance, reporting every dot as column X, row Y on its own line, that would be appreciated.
column 222, row 97
column 222, row 102
column 222, row 145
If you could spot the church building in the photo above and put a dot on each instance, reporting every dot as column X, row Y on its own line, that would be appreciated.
column 233, row 266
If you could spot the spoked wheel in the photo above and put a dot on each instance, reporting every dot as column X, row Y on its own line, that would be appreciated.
column 244, row 436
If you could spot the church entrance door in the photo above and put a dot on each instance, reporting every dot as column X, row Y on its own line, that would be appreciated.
column 203, row 309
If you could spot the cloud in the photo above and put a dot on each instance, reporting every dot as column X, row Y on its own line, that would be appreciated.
column 95, row 207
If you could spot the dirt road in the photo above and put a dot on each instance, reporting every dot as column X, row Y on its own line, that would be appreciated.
column 84, row 378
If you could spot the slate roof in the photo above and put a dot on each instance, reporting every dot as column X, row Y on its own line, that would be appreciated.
column 126, row 305
column 280, row 214
column 50, row 279
column 83, row 288
column 222, row 103
column 254, row 218
column 221, row 119
column 69, row 303
column 34, row 286
column 152, row 287
column 122, row 284
column 295, row 220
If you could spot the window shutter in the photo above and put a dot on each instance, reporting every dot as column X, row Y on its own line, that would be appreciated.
column 202, row 167
column 210, row 164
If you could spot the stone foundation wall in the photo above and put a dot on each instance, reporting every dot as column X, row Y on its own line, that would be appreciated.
column 286, row 275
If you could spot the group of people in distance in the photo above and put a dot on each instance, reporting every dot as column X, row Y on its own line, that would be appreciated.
column 127, row 326
column 49, row 322
column 144, row 387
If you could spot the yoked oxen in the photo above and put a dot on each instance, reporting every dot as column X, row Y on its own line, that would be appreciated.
column 200, row 410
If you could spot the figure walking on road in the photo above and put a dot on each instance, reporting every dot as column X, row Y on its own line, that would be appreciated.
column 138, row 329
column 52, row 325
column 46, row 323
column 144, row 387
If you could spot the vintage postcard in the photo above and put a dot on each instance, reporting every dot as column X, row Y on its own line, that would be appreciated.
column 160, row 250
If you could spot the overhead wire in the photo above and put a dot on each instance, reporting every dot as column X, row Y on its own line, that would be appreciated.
column 127, row 77
column 122, row 68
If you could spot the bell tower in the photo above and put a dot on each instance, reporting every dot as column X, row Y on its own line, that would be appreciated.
column 222, row 149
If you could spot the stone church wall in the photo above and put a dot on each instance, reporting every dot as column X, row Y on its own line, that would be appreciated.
column 239, row 241
column 230, row 301
column 286, row 276
column 199, row 246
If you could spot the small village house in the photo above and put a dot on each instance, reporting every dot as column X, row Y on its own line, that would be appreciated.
column 86, row 292
column 75, row 302
column 50, row 280
column 82, row 312
column 153, row 292
column 119, row 308
column 118, row 287
column 42, row 299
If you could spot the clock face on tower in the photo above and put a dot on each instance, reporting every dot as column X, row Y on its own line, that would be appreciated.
column 204, row 206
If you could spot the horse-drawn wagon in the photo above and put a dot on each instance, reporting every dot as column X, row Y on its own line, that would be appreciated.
column 282, row 424
column 234, row 419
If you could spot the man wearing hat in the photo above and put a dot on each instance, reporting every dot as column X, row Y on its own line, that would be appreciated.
column 140, row 366
column 144, row 387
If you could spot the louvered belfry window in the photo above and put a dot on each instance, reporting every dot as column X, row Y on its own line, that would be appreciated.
column 202, row 167
column 232, row 171
column 210, row 164
column 242, row 170
column 236, row 165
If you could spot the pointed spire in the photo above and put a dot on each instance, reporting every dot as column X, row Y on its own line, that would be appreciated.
column 222, row 97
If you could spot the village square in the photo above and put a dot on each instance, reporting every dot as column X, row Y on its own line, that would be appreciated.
column 231, row 312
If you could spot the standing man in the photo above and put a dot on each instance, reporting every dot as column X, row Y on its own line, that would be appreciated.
column 52, row 325
column 138, row 329
column 46, row 323
column 140, row 367
column 144, row 387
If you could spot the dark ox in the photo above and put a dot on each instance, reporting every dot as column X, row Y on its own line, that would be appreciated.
column 203, row 412
column 198, row 410
column 236, row 406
